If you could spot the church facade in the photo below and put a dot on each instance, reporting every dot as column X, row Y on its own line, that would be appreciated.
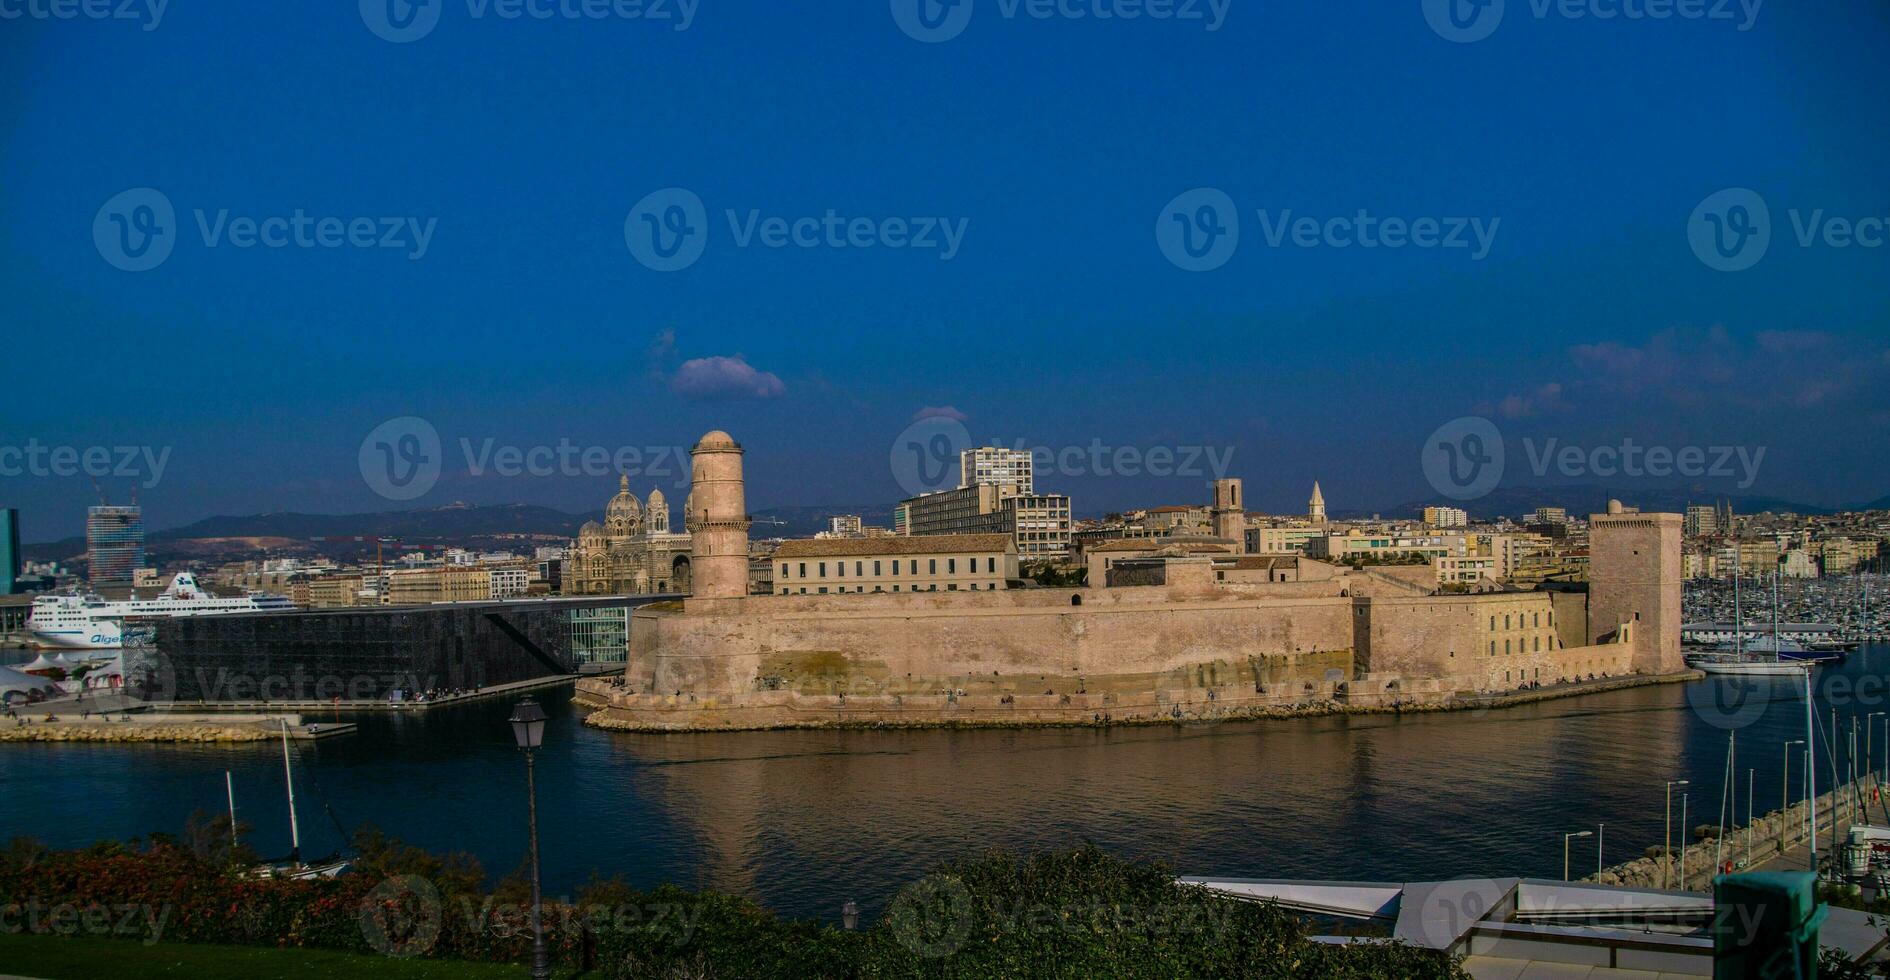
column 632, row 552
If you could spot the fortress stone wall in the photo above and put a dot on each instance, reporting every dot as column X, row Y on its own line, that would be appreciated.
column 1189, row 647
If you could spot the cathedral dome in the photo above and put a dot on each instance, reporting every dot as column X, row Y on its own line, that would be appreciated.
column 656, row 499
column 623, row 513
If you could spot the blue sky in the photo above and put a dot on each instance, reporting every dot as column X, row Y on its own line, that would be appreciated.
column 1055, row 143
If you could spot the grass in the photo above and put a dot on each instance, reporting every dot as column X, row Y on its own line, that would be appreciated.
column 60, row 958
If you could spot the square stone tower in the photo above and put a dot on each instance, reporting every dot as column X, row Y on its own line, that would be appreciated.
column 1229, row 513
column 1634, row 576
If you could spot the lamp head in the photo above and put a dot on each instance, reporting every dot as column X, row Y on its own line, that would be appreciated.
column 528, row 724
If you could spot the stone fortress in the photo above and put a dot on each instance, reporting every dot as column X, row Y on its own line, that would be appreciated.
column 1177, row 637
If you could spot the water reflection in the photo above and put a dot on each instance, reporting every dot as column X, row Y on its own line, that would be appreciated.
column 804, row 821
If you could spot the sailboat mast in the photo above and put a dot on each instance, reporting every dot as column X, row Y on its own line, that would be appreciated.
column 1739, row 620
column 1811, row 773
column 288, row 775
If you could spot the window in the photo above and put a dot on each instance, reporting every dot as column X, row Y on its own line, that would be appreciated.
column 857, row 566
column 842, row 569
column 1506, row 621
column 951, row 566
column 895, row 566
column 1538, row 619
column 876, row 568
column 1505, row 646
column 784, row 571
column 823, row 590
column 932, row 568
column 1538, row 644
column 1492, row 624
column 803, row 569
column 823, row 569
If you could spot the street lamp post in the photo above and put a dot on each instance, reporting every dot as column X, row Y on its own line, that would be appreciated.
column 1785, row 792
column 1565, row 841
column 1666, row 856
column 528, row 727
column 1601, row 836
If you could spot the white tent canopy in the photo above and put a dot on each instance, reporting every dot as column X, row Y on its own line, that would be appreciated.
column 15, row 682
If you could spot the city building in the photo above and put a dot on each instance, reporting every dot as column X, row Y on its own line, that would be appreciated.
column 997, row 466
column 509, row 581
column 9, row 551
column 1446, row 517
column 633, row 552
column 1702, row 520
column 1549, row 515
column 1282, row 539
column 1464, row 569
column 1356, row 543
column 1039, row 523
column 845, row 526
column 447, row 583
column 114, row 545
column 902, row 519
column 925, row 563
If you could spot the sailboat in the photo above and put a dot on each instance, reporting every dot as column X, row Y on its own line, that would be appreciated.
column 293, row 866
column 1739, row 661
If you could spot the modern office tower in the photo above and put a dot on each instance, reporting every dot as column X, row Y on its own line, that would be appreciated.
column 114, row 544
column 9, row 551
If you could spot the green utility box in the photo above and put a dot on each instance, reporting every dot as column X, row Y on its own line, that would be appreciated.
column 1765, row 926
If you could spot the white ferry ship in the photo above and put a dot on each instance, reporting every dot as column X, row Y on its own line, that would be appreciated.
column 88, row 622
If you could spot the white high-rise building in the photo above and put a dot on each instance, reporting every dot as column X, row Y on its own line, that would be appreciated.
column 1446, row 517
column 1008, row 469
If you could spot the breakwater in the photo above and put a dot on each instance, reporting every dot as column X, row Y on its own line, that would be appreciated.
column 175, row 728
column 973, row 705
column 1774, row 835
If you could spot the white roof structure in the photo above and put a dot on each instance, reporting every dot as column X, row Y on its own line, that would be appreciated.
column 16, row 682
column 42, row 662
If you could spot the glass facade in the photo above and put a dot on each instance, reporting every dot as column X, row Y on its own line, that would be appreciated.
column 600, row 635
column 9, row 551
column 114, row 544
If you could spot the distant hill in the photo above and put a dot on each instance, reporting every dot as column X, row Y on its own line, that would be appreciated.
column 456, row 524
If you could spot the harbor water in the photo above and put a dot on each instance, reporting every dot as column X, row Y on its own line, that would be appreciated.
column 803, row 821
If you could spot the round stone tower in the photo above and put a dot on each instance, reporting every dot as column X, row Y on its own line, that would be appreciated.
column 717, row 519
